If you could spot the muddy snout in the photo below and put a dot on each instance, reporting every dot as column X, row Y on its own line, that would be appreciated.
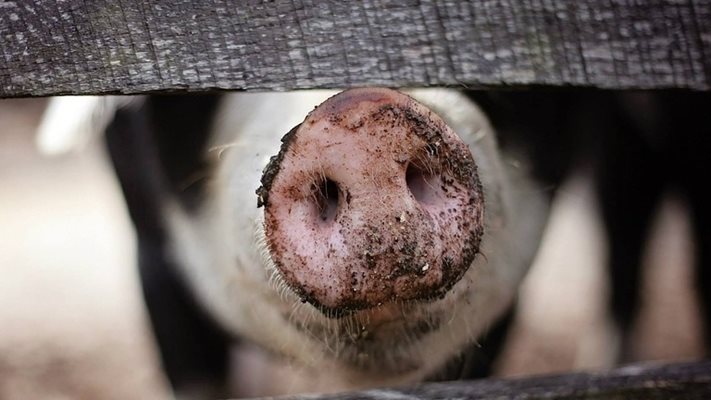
column 372, row 199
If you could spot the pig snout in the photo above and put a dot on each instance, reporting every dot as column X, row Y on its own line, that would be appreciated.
column 372, row 199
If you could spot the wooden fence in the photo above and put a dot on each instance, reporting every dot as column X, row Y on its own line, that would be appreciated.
column 50, row 47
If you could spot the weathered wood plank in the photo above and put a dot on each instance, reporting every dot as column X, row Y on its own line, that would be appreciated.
column 689, row 381
column 129, row 46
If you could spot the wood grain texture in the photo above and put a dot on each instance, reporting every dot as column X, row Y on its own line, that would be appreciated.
column 690, row 381
column 52, row 47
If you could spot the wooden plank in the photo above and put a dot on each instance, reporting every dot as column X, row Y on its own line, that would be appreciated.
column 688, row 381
column 50, row 47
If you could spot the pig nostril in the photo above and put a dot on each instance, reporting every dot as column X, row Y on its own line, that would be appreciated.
column 421, row 183
column 326, row 195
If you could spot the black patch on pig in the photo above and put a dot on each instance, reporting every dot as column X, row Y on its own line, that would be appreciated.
column 193, row 349
column 180, row 127
column 545, row 125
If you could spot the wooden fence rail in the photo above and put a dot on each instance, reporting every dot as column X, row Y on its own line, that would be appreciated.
column 50, row 47
column 689, row 381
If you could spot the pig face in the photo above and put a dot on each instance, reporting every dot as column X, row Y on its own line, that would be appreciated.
column 391, row 231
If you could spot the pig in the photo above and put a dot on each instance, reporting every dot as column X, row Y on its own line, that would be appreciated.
column 371, row 237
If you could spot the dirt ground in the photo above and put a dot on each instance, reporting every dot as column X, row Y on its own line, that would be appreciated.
column 72, row 324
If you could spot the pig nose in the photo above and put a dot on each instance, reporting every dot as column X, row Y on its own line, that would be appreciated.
column 372, row 199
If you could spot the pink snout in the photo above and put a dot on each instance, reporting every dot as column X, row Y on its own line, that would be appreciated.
column 372, row 199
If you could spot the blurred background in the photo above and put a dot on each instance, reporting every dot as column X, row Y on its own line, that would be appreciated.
column 72, row 322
